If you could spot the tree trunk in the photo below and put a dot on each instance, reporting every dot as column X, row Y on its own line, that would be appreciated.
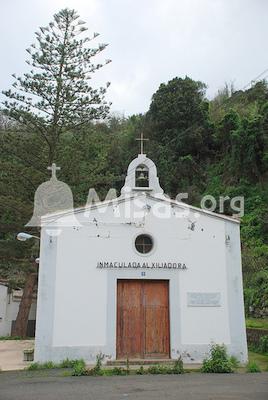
column 20, row 326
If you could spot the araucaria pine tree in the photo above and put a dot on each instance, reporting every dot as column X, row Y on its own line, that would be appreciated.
column 56, row 95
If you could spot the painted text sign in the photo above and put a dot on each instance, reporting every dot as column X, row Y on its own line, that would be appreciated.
column 141, row 265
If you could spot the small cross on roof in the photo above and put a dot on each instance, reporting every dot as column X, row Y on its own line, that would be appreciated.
column 53, row 168
column 142, row 139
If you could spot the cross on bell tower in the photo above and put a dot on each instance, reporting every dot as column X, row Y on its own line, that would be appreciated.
column 141, row 139
column 53, row 170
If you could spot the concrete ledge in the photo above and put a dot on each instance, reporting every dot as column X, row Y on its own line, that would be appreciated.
column 11, row 354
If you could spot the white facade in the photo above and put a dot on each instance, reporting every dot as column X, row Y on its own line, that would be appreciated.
column 9, row 307
column 198, row 252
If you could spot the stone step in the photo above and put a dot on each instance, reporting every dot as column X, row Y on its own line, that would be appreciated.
column 116, row 363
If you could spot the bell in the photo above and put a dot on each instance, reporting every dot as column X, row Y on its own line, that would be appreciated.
column 141, row 177
column 50, row 197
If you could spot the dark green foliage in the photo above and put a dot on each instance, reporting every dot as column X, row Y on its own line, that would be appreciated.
column 178, row 112
column 263, row 347
column 256, row 295
column 226, row 127
column 218, row 361
column 178, row 125
column 247, row 148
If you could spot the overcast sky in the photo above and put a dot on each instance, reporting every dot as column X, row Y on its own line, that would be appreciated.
column 151, row 41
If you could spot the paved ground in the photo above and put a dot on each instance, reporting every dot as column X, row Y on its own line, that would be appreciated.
column 193, row 386
column 11, row 354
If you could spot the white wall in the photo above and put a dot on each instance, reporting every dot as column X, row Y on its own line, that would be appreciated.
column 76, row 314
column 81, row 295
column 207, row 274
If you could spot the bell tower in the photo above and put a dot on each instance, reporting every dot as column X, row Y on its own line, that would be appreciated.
column 142, row 174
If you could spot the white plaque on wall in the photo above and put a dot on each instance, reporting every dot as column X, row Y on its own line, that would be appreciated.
column 196, row 299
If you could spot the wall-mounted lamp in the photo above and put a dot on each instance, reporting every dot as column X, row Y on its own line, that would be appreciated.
column 23, row 236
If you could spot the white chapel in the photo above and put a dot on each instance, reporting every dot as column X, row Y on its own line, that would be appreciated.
column 139, row 277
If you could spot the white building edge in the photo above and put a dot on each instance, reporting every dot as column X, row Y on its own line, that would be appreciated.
column 86, row 253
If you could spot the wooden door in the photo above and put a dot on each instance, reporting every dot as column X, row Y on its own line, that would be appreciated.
column 142, row 319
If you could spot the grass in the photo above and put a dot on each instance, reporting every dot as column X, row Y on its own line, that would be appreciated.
column 260, row 359
column 50, row 365
column 15, row 338
column 258, row 323
column 39, row 366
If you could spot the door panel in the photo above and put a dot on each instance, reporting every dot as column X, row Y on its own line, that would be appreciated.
column 142, row 319
column 156, row 323
column 129, row 319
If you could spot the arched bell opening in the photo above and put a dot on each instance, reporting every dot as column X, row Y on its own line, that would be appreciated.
column 142, row 176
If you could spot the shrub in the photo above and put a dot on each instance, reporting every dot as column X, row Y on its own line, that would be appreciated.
column 141, row 371
column 118, row 371
column 79, row 368
column 33, row 366
column 234, row 361
column 178, row 366
column 49, row 365
column 157, row 370
column 99, row 359
column 263, row 346
column 252, row 366
column 97, row 370
column 218, row 361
